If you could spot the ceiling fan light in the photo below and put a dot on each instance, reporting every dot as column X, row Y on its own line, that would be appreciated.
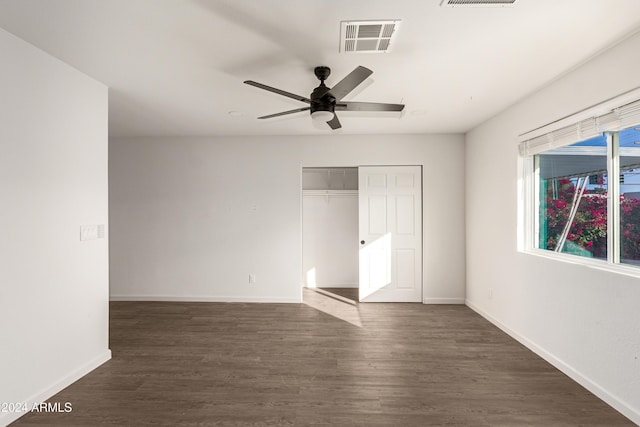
column 322, row 116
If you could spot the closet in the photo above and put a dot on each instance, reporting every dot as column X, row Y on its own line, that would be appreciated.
column 330, row 227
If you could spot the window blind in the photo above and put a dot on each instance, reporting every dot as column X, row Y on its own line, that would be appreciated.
column 618, row 118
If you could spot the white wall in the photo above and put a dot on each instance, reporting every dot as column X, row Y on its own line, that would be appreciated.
column 585, row 321
column 192, row 217
column 330, row 241
column 53, row 178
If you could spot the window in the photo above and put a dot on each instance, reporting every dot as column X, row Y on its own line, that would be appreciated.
column 583, row 186
column 629, row 224
column 573, row 191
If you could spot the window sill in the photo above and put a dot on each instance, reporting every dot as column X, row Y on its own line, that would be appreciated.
column 627, row 270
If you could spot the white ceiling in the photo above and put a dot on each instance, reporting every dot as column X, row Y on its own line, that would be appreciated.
column 176, row 67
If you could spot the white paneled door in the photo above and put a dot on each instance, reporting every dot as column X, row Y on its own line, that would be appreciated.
column 390, row 210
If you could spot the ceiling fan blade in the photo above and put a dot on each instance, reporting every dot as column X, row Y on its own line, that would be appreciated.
column 334, row 123
column 297, row 110
column 278, row 91
column 350, row 82
column 368, row 106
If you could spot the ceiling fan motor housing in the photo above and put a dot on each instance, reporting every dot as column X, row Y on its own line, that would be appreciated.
column 322, row 100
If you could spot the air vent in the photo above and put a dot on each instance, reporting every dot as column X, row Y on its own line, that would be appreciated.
column 478, row 3
column 367, row 36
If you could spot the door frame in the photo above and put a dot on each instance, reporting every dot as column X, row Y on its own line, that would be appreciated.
column 351, row 165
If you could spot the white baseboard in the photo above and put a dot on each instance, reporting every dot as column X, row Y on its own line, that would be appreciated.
column 196, row 298
column 613, row 401
column 67, row 380
column 443, row 301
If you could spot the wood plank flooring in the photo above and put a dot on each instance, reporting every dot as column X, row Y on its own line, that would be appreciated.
column 216, row 364
column 349, row 293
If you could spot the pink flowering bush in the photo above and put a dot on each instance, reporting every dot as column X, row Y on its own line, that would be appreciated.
column 630, row 228
column 589, row 228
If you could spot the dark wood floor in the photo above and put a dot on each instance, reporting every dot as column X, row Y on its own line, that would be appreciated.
column 211, row 364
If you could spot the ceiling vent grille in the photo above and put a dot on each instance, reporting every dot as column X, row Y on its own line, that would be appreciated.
column 478, row 3
column 367, row 36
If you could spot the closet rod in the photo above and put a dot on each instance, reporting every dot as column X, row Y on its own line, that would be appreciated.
column 324, row 193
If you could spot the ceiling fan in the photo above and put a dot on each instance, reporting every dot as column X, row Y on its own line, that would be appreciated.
column 325, row 101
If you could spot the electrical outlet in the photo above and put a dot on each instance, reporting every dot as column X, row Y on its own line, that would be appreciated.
column 88, row 232
column 252, row 278
column 91, row 232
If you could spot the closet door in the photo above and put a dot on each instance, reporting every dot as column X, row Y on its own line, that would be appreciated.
column 390, row 232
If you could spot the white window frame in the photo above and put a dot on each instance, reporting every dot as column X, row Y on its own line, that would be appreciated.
column 561, row 133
